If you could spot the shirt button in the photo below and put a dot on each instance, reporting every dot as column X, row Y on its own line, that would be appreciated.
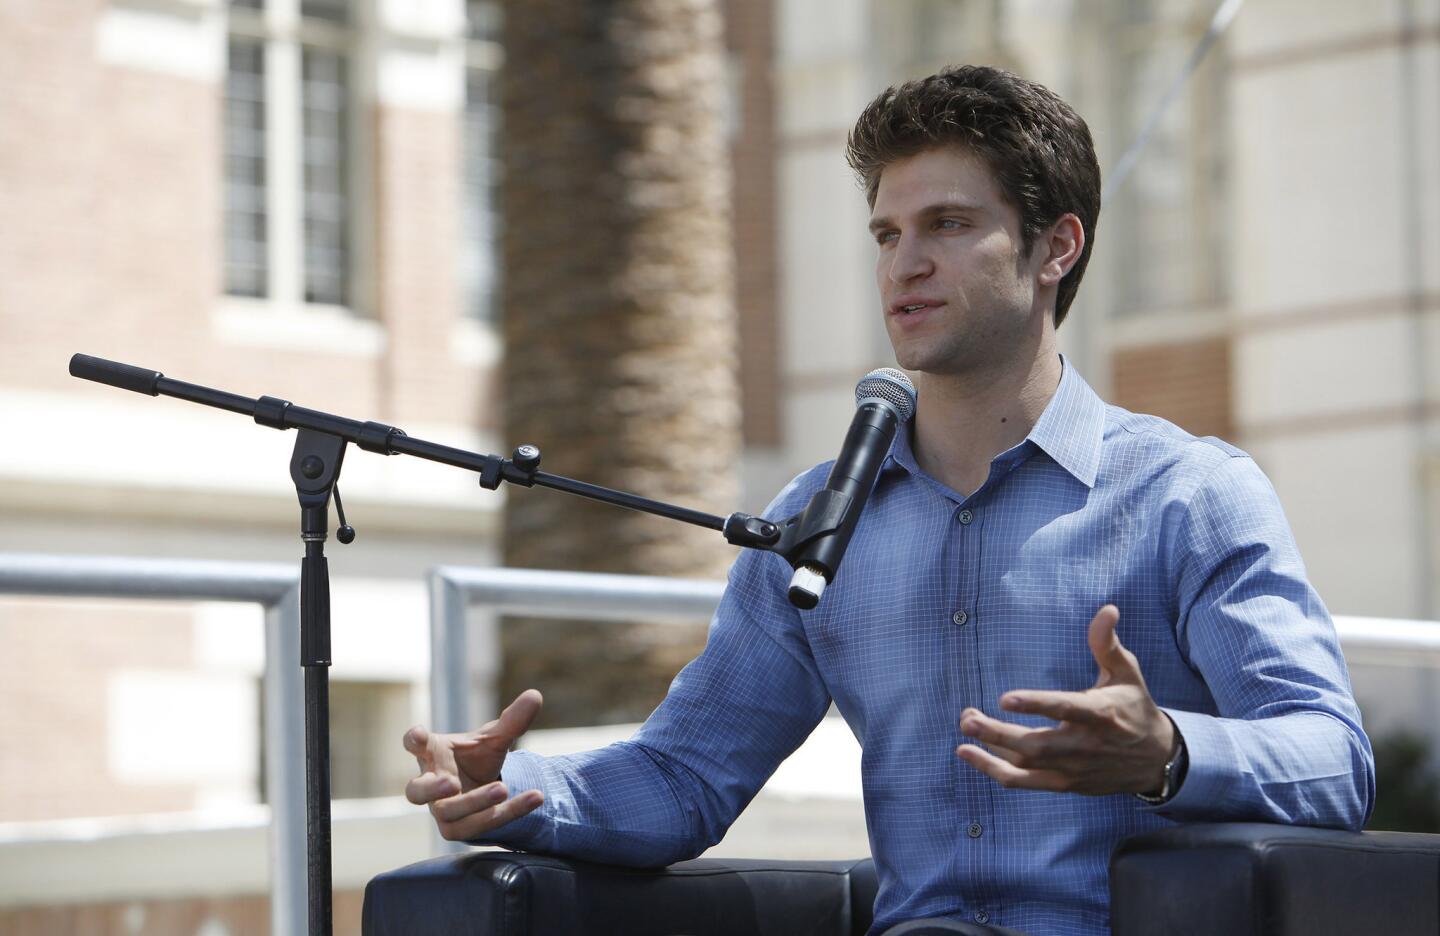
column 960, row 617
column 966, row 516
column 976, row 830
column 982, row 917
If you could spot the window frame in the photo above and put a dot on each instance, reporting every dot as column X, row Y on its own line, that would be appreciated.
column 284, row 35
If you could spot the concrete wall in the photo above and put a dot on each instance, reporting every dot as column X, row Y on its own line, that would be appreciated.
column 1337, row 286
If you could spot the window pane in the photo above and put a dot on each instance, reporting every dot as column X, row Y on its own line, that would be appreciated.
column 247, row 4
column 482, row 20
column 325, row 181
column 246, row 267
column 478, row 262
column 335, row 11
column 1172, row 203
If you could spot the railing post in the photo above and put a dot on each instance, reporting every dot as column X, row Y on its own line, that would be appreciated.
column 449, row 681
column 284, row 703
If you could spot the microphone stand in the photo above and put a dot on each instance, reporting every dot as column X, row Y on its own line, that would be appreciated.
column 315, row 469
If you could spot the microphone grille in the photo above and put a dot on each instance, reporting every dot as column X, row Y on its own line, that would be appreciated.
column 890, row 385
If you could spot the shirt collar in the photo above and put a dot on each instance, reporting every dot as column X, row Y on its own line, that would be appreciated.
column 1070, row 431
column 1072, row 427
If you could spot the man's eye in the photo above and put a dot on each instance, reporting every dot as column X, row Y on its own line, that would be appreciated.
column 885, row 237
column 950, row 224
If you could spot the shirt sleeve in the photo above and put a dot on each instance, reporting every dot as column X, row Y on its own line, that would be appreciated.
column 1285, row 744
column 731, row 716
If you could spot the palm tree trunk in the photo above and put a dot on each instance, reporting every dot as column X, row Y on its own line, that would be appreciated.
column 619, row 321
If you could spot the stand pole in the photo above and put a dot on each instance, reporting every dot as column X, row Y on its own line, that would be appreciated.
column 315, row 467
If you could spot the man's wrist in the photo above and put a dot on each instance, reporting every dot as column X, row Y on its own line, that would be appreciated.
column 1174, row 773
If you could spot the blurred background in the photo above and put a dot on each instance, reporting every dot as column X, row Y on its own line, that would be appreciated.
column 623, row 231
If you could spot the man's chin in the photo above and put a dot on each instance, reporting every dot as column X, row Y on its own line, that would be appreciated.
column 929, row 361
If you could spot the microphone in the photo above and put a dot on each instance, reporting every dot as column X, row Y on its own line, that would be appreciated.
column 884, row 399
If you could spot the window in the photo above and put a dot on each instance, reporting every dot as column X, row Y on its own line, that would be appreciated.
column 1170, row 210
column 289, row 211
column 247, row 269
column 479, row 265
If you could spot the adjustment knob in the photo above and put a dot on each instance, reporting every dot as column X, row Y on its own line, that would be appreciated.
column 526, row 458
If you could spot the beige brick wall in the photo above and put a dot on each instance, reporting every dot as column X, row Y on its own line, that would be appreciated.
column 54, row 679
column 111, row 244
column 110, row 184
column 1186, row 382
column 417, row 224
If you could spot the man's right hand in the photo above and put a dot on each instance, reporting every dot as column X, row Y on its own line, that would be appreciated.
column 459, row 773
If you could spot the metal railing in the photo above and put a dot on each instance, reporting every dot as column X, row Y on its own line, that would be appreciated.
column 276, row 588
column 465, row 661
column 465, row 654
column 1367, row 633
column 464, row 668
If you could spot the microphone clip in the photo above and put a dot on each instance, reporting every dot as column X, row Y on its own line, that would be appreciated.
column 824, row 514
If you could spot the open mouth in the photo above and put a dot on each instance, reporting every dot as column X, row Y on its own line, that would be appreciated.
column 903, row 309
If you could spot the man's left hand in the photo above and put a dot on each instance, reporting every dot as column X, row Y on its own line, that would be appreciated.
column 1111, row 738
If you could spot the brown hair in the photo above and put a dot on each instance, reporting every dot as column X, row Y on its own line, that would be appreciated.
column 1038, row 148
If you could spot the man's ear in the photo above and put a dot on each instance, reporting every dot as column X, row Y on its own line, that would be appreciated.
column 1060, row 246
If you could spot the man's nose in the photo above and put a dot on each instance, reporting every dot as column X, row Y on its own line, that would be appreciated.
column 909, row 260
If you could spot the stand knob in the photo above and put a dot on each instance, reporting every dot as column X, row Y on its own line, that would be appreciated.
column 526, row 458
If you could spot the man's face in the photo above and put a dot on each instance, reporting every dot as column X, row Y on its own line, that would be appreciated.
column 956, row 287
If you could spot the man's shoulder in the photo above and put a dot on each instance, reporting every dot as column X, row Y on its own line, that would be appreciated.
column 1143, row 452
column 794, row 496
column 1162, row 438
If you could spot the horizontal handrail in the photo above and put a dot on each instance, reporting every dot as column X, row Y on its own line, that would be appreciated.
column 276, row 588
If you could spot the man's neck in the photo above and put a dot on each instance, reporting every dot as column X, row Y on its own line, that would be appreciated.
column 962, row 421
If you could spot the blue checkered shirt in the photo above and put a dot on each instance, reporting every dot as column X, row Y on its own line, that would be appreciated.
column 946, row 601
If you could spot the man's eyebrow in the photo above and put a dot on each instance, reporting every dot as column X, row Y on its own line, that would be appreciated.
column 930, row 211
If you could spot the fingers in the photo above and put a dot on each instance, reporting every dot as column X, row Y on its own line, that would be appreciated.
column 512, row 723
column 1116, row 663
column 471, row 815
column 454, row 808
column 417, row 741
column 431, row 786
column 1022, row 746
column 1078, row 707
column 1103, row 642
column 1009, row 775
column 982, row 727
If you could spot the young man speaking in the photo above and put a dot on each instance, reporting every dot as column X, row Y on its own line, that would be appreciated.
column 1062, row 624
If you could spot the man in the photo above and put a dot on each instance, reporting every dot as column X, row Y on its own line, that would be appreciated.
column 1045, row 596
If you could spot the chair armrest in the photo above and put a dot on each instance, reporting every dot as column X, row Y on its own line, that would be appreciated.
column 511, row 894
column 1255, row 879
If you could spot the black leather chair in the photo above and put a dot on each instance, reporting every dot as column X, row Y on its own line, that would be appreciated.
column 1225, row 879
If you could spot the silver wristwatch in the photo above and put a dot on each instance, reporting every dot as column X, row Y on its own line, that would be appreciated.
column 1174, row 774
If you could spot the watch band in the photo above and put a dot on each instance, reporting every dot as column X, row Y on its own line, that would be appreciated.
column 1175, row 769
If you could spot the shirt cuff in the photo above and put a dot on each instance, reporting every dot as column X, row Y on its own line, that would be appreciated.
column 1208, row 751
column 522, row 771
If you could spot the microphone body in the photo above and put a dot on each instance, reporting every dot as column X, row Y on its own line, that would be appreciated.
column 885, row 400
